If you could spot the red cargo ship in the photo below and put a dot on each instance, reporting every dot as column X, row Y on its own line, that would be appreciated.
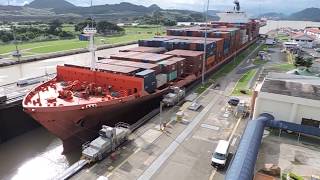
column 80, row 99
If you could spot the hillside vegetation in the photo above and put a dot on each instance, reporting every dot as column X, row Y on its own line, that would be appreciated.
column 40, row 10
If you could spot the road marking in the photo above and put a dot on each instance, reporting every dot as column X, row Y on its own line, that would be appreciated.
column 208, row 126
column 234, row 129
column 155, row 166
column 212, row 174
column 234, row 141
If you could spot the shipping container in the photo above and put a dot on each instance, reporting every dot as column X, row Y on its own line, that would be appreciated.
column 117, row 69
column 172, row 76
column 140, row 57
column 162, row 79
column 193, row 60
column 154, row 67
column 150, row 81
column 180, row 65
column 168, row 66
column 158, row 50
column 211, row 61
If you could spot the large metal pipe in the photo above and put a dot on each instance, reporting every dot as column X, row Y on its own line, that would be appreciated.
column 242, row 167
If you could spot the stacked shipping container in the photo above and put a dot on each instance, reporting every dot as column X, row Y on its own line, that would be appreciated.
column 193, row 60
column 170, row 58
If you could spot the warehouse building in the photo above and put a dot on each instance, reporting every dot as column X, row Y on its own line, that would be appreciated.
column 290, row 98
column 304, row 40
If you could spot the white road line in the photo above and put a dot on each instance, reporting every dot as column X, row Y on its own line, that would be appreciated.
column 234, row 141
column 154, row 167
column 212, row 174
column 234, row 129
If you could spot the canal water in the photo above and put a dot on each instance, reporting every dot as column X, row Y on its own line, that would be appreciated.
column 37, row 154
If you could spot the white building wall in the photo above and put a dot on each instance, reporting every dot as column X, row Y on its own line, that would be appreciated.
column 307, row 112
column 286, row 108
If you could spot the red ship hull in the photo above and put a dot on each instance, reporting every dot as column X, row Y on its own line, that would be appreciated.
column 76, row 127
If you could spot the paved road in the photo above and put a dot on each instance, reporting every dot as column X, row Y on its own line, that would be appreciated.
column 11, row 74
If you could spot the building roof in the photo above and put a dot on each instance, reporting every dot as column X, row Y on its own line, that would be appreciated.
column 303, row 37
column 292, row 85
column 313, row 30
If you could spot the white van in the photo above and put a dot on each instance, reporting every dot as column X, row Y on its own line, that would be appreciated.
column 220, row 155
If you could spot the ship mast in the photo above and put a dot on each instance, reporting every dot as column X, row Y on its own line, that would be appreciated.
column 91, row 31
column 237, row 5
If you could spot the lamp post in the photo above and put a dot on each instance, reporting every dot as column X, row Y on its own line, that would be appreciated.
column 160, row 125
column 205, row 44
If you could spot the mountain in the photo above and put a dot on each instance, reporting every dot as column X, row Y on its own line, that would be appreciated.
column 154, row 7
column 50, row 4
column 43, row 10
column 309, row 14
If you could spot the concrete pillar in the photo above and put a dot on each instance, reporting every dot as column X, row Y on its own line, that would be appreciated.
column 256, row 111
column 293, row 113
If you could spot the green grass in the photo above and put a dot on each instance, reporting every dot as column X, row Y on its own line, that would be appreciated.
column 62, row 45
column 259, row 62
column 243, row 83
column 226, row 69
column 68, row 27
column 282, row 37
column 131, row 34
column 282, row 67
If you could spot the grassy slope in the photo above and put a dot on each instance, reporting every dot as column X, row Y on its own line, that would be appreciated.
column 243, row 83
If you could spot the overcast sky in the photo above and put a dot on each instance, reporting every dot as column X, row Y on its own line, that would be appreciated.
column 254, row 6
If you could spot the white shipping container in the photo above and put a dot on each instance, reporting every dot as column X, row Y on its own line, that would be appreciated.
column 161, row 79
column 243, row 32
column 244, row 39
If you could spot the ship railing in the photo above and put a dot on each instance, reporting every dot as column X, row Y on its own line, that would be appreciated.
column 122, row 125
column 85, row 145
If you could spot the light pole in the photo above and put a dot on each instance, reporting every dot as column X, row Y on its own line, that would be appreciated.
column 205, row 44
column 161, row 105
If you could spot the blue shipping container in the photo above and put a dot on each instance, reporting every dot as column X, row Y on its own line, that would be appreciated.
column 172, row 76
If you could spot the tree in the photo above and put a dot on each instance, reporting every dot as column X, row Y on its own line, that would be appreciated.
column 298, row 61
column 169, row 22
column 308, row 62
column 55, row 27
column 303, row 62
column 105, row 27
column 6, row 36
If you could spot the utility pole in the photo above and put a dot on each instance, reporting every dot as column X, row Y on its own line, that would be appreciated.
column 205, row 44
column 17, row 53
column 160, row 125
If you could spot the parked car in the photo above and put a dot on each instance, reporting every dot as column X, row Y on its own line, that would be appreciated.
column 220, row 155
column 234, row 101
